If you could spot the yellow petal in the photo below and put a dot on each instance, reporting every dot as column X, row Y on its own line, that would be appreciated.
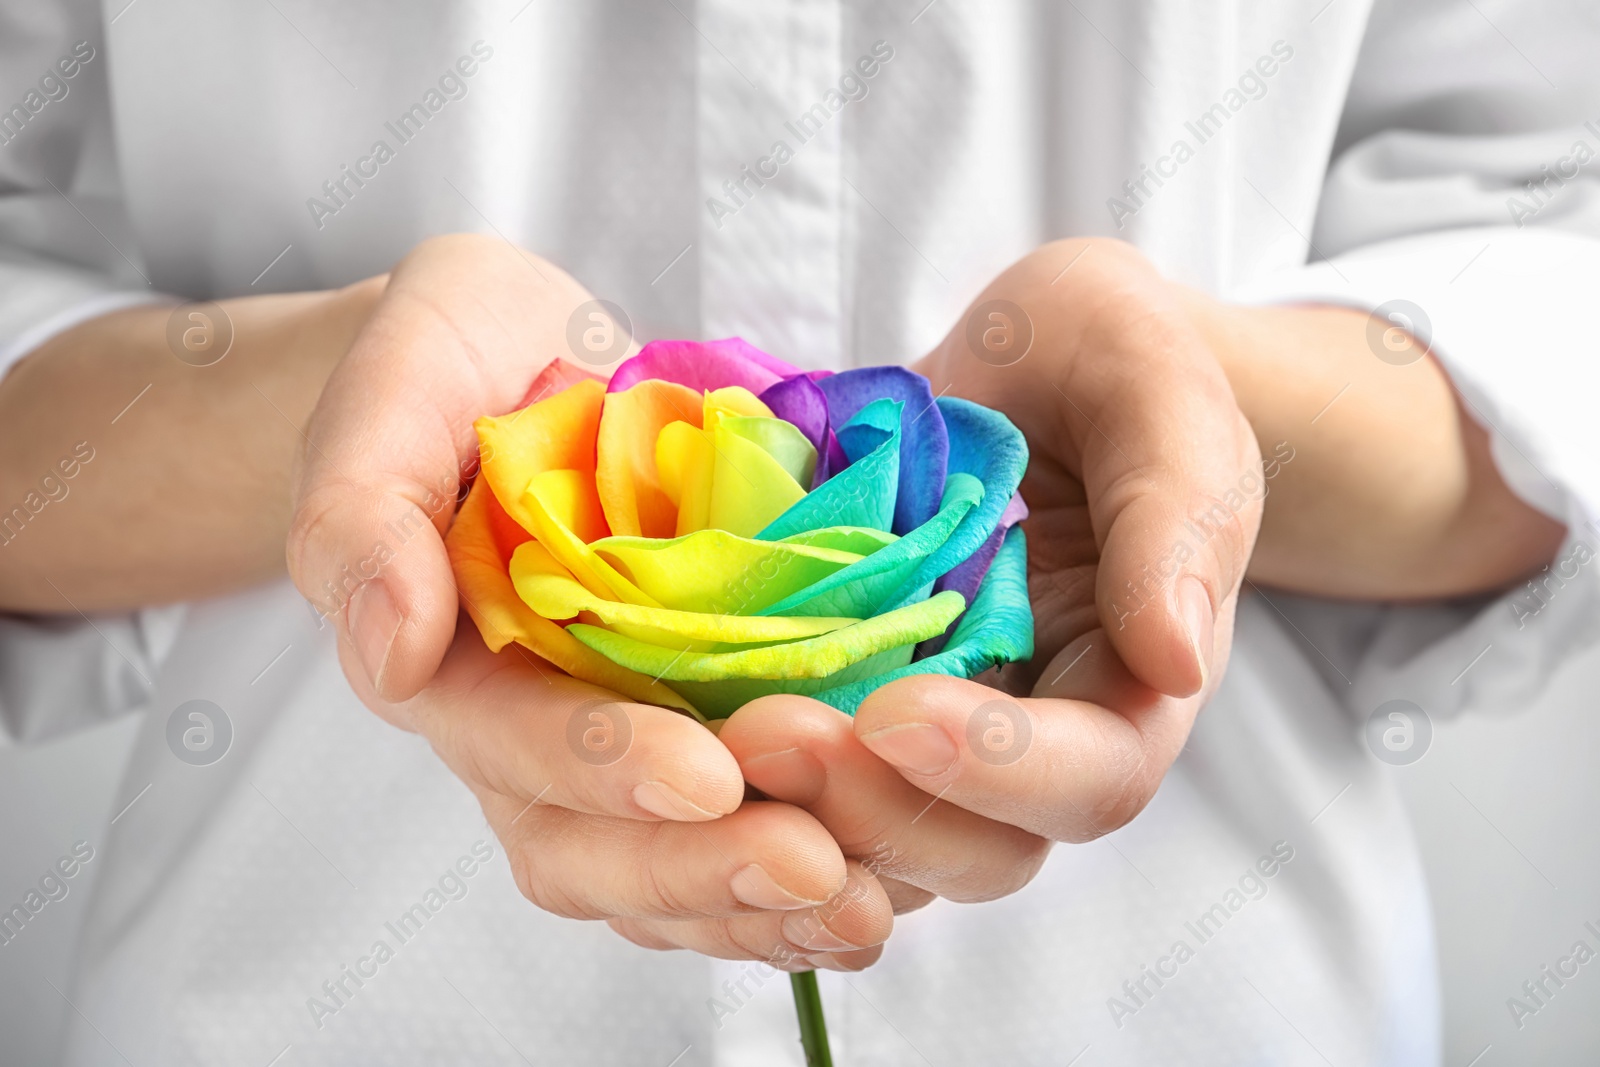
column 740, row 470
column 549, row 589
column 716, row 572
column 687, row 462
column 480, row 542
column 752, row 484
column 627, row 474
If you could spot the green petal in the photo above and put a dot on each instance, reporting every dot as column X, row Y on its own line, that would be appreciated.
column 862, row 588
column 728, row 679
column 997, row 629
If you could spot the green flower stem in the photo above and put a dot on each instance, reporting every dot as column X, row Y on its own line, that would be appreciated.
column 813, row 1029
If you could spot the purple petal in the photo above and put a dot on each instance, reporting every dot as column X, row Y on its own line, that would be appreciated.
column 798, row 400
column 968, row 575
column 924, row 443
column 703, row 365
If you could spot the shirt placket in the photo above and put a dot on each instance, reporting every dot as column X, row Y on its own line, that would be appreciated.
column 770, row 169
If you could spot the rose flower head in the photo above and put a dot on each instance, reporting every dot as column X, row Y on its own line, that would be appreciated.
column 715, row 525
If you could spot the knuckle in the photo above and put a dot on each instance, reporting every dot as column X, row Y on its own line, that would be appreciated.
column 545, row 893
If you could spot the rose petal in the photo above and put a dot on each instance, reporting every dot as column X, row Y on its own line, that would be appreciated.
column 481, row 540
column 625, row 458
column 863, row 588
column 703, row 365
column 998, row 628
column 924, row 446
column 718, row 572
column 550, row 590
column 799, row 400
column 984, row 444
column 794, row 667
column 968, row 575
column 741, row 471
column 863, row 493
column 523, row 455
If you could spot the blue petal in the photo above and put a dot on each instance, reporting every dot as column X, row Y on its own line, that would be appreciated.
column 984, row 444
column 924, row 444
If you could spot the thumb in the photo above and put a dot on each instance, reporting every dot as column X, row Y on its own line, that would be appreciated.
column 464, row 327
column 1175, row 485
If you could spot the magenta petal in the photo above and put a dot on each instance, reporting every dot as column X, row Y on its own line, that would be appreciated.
column 968, row 575
column 703, row 365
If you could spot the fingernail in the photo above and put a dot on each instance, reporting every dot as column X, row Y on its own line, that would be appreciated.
column 1194, row 604
column 792, row 772
column 665, row 802
column 374, row 621
column 754, row 886
column 807, row 931
column 919, row 747
column 827, row 961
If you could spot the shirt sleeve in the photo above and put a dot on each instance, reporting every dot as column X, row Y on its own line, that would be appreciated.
column 67, row 255
column 1476, row 228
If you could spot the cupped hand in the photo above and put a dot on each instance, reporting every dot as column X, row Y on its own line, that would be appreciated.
column 1145, row 488
column 607, row 809
column 1144, row 485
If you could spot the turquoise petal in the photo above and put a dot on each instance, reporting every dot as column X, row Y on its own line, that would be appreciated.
column 863, row 494
column 986, row 445
column 867, row 583
column 997, row 628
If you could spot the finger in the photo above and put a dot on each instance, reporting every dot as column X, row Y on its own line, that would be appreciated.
column 806, row 753
column 463, row 328
column 845, row 933
column 1068, row 770
column 905, row 897
column 763, row 857
column 510, row 724
column 1141, row 412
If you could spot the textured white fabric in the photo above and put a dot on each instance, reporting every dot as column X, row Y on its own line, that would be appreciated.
column 598, row 134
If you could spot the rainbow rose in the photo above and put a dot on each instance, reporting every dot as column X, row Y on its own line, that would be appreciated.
column 715, row 525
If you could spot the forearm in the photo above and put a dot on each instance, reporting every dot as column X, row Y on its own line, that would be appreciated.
column 1391, row 492
column 130, row 477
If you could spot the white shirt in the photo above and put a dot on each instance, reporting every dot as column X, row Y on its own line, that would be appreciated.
column 189, row 156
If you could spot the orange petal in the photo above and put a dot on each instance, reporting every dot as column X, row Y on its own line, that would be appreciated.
column 557, row 433
column 540, row 463
column 625, row 464
column 480, row 543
